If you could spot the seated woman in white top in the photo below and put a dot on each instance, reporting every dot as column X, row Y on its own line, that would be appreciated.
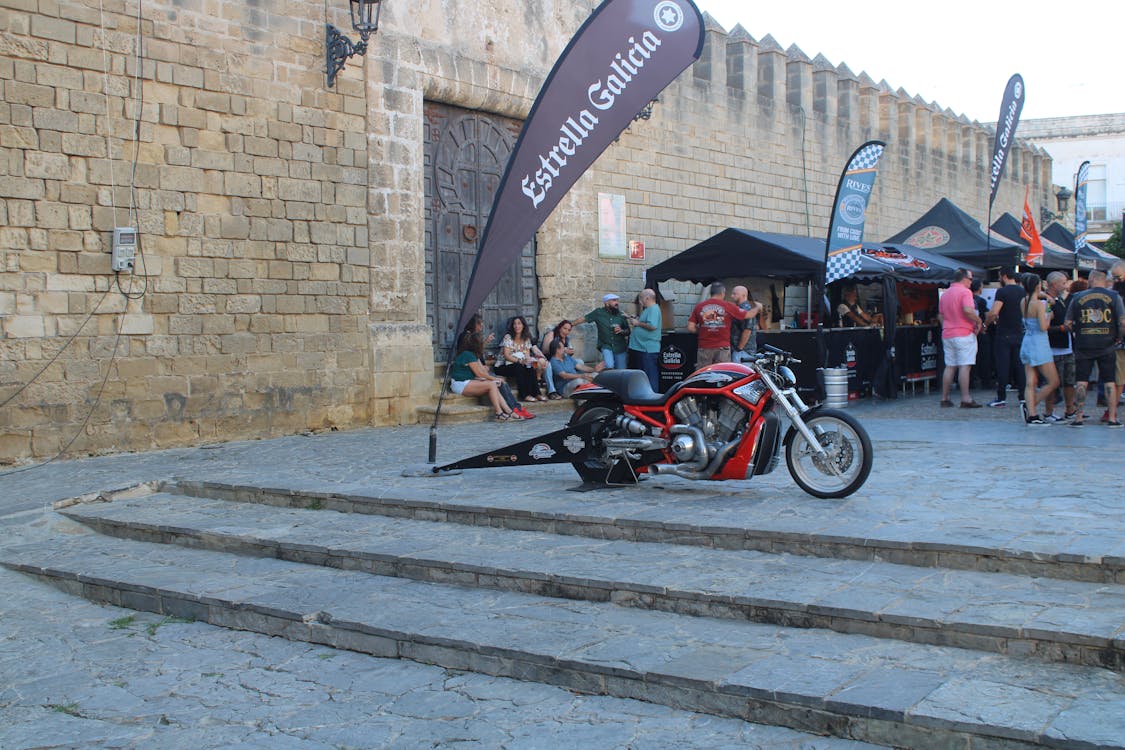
column 521, row 359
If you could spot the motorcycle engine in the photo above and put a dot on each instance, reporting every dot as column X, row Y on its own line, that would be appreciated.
column 719, row 419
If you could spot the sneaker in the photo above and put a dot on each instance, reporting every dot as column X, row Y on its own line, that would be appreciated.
column 1076, row 424
column 946, row 403
column 970, row 405
column 1036, row 421
column 997, row 403
column 1052, row 419
column 523, row 413
column 1070, row 415
column 1105, row 416
column 1113, row 423
column 1024, row 412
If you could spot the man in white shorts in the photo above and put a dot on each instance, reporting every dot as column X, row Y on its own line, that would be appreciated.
column 959, row 326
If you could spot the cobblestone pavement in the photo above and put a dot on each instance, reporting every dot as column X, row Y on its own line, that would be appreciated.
column 78, row 674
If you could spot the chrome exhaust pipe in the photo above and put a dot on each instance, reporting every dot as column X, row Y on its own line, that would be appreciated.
column 681, row 470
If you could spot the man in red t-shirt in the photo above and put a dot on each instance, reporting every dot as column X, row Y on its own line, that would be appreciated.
column 959, row 325
column 711, row 320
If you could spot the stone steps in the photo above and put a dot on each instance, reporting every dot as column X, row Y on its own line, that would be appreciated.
column 713, row 524
column 457, row 409
column 1053, row 620
column 852, row 686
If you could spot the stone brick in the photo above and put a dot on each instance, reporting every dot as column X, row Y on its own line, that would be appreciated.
column 49, row 166
column 57, row 29
column 235, row 227
column 24, row 326
column 246, row 185
column 17, row 92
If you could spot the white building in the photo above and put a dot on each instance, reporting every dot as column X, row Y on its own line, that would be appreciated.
column 1099, row 139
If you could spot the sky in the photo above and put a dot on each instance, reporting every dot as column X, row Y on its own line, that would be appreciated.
column 959, row 53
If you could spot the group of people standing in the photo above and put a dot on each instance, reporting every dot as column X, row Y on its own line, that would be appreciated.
column 1046, row 335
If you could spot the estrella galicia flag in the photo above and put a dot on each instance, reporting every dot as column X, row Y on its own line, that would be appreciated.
column 1010, row 108
column 845, row 230
column 625, row 54
column 1080, row 206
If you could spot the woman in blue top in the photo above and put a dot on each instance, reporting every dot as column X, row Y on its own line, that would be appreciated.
column 1035, row 351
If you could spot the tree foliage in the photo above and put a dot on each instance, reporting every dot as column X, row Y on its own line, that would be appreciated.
column 1113, row 244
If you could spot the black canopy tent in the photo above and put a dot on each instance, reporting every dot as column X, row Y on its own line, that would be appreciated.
column 948, row 230
column 1089, row 257
column 738, row 253
column 1055, row 257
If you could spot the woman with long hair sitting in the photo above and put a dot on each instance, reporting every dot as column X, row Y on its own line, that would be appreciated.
column 521, row 359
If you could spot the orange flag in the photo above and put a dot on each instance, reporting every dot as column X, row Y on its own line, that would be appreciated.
column 1031, row 234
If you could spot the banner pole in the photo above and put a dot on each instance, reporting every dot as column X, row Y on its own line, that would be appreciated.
column 988, row 236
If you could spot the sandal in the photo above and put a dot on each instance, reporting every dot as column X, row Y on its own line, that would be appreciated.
column 502, row 417
column 553, row 397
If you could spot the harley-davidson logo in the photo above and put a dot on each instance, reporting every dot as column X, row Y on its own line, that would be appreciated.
column 574, row 444
column 927, row 238
column 540, row 451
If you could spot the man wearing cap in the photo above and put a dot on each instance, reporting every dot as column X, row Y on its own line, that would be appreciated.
column 613, row 331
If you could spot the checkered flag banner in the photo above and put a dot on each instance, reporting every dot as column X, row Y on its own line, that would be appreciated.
column 1080, row 205
column 845, row 233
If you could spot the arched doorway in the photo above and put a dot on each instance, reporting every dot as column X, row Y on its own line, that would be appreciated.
column 465, row 156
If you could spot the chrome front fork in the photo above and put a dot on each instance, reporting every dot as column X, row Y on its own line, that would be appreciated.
column 794, row 407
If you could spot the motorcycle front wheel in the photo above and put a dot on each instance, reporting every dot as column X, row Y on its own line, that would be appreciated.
column 849, row 454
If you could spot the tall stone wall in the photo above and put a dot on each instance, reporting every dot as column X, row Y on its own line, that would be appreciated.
column 246, row 316
column 282, row 223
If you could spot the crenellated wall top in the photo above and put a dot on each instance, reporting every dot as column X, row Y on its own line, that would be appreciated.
column 743, row 52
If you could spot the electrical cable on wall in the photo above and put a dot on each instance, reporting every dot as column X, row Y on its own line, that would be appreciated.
column 129, row 294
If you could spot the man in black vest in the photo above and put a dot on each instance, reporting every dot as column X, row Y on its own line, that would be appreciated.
column 1096, row 318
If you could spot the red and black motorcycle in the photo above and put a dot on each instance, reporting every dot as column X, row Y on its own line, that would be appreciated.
column 724, row 421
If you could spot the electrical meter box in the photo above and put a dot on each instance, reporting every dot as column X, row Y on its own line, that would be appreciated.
column 124, row 249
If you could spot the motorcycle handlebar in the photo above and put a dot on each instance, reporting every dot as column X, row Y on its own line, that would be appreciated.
column 779, row 353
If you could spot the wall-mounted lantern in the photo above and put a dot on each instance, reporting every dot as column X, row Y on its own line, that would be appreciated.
column 1061, row 198
column 365, row 20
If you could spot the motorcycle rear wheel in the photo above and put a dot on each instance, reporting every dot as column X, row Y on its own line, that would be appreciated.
column 597, row 469
column 849, row 451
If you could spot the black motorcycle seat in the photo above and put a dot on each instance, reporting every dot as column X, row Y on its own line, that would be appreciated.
column 631, row 386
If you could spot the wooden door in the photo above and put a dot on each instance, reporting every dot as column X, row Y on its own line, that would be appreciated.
column 465, row 156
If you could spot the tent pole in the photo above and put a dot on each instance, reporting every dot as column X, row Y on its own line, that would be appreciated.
column 808, row 306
